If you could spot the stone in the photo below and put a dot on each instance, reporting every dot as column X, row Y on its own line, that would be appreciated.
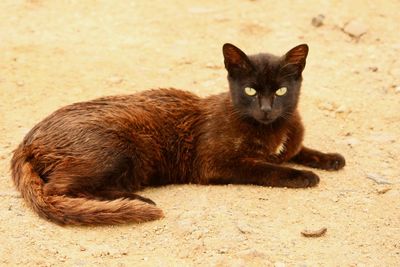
column 318, row 21
column 351, row 141
column 355, row 28
column 342, row 109
column 379, row 179
column 373, row 69
column 115, row 80
column 213, row 66
column 223, row 250
column 329, row 106
column 314, row 233
column 243, row 227
column 20, row 83
column 384, row 190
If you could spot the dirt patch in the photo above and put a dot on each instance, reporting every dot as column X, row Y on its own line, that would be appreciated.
column 54, row 53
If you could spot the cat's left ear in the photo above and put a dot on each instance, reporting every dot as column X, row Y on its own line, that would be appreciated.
column 236, row 61
column 296, row 57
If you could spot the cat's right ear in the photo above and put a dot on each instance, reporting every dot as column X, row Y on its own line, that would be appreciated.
column 295, row 59
column 236, row 61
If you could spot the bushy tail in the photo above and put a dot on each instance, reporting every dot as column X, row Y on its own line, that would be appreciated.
column 76, row 211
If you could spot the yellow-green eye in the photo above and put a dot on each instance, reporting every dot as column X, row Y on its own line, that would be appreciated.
column 281, row 91
column 250, row 91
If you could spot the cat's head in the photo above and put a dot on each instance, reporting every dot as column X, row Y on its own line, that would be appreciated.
column 263, row 86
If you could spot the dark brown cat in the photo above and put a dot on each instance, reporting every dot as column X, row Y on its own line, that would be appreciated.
column 83, row 163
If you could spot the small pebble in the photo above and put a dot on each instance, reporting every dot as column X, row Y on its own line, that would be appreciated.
column 351, row 141
column 327, row 106
column 186, row 62
column 377, row 178
column 213, row 66
column 314, row 233
column 341, row 109
column 222, row 251
column 158, row 230
column 318, row 21
column 382, row 191
column 115, row 80
column 244, row 228
column 20, row 83
column 252, row 253
column 373, row 69
column 355, row 28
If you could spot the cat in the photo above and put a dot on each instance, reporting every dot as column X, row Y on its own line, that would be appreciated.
column 83, row 164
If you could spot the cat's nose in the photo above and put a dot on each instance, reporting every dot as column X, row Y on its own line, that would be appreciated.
column 265, row 105
column 266, row 109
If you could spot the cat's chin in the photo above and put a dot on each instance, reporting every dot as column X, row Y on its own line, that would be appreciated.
column 264, row 118
column 264, row 121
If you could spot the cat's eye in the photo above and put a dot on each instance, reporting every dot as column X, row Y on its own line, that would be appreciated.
column 281, row 91
column 250, row 91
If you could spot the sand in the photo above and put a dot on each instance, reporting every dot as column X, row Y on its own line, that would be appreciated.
column 53, row 53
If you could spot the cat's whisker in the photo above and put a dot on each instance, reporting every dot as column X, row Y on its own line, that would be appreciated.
column 239, row 114
column 287, row 115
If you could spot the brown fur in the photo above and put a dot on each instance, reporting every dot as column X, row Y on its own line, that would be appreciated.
column 82, row 164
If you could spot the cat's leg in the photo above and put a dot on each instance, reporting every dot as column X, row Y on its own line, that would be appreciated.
column 117, row 178
column 64, row 187
column 258, row 172
column 316, row 159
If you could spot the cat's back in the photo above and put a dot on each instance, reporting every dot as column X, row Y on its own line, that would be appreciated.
column 150, row 100
column 149, row 103
column 144, row 112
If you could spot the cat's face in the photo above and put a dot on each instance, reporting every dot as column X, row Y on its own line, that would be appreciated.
column 265, row 87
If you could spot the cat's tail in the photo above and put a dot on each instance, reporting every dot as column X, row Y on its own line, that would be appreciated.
column 65, row 210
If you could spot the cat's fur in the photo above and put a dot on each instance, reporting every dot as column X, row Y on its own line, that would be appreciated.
column 82, row 164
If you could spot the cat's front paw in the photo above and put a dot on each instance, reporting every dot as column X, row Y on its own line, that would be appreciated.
column 315, row 159
column 332, row 162
column 302, row 179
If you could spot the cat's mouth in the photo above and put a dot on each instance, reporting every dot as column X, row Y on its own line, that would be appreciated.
column 265, row 121
column 265, row 118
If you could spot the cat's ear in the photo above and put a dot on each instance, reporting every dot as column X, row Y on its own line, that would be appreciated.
column 295, row 59
column 236, row 61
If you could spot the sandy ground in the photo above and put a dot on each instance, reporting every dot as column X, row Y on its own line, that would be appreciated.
column 54, row 53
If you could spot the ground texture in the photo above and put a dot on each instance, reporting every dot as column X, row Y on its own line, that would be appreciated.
column 53, row 53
